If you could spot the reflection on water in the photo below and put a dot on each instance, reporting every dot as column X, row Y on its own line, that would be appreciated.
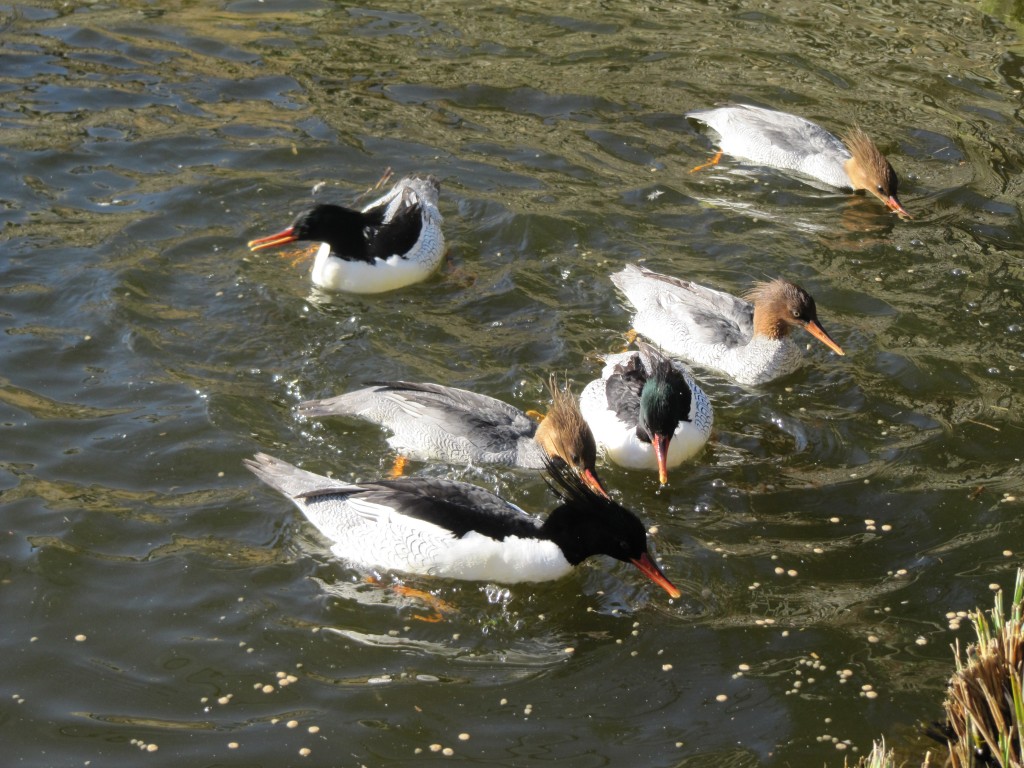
column 153, row 596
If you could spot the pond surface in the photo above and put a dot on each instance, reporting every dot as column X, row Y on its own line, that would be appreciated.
column 156, row 597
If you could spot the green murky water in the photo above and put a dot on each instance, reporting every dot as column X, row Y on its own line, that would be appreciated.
column 153, row 594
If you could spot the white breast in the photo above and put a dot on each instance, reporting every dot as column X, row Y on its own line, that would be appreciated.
column 761, row 360
column 373, row 535
column 396, row 271
column 336, row 274
column 618, row 440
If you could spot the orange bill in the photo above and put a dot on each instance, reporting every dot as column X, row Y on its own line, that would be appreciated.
column 814, row 328
column 283, row 237
column 895, row 206
column 590, row 478
column 649, row 569
column 660, row 445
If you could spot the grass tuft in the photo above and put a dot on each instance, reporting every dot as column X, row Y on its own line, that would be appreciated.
column 984, row 703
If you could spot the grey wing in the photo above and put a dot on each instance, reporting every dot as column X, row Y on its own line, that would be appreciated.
column 292, row 481
column 780, row 138
column 399, row 524
column 720, row 319
column 791, row 131
column 431, row 421
column 324, row 501
column 707, row 315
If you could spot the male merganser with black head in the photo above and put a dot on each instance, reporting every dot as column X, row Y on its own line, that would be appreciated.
column 433, row 422
column 437, row 527
column 646, row 411
column 789, row 142
column 747, row 340
column 393, row 242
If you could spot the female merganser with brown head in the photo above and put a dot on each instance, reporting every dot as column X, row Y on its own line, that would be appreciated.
column 433, row 422
column 438, row 527
column 789, row 142
column 646, row 411
column 746, row 339
column 392, row 242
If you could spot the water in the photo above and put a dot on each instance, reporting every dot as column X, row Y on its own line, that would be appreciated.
column 151, row 589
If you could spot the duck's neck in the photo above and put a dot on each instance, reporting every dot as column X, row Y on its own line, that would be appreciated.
column 545, row 436
column 769, row 325
column 347, row 233
column 855, row 172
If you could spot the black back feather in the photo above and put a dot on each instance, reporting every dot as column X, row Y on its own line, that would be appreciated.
column 458, row 507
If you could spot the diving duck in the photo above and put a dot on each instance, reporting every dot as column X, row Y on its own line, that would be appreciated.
column 791, row 143
column 439, row 527
column 433, row 422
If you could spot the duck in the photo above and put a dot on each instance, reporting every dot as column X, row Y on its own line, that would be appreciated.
column 445, row 528
column 393, row 242
column 432, row 422
column 747, row 339
column 792, row 143
column 646, row 411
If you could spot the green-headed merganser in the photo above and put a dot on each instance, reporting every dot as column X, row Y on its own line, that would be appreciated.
column 746, row 339
column 439, row 527
column 432, row 422
column 393, row 242
column 789, row 142
column 646, row 411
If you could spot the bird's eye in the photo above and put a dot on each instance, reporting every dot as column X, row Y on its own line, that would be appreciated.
column 881, row 189
column 796, row 313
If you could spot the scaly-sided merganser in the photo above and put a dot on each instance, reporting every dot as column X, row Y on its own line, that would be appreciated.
column 438, row 527
column 433, row 422
column 782, row 140
column 747, row 341
column 393, row 242
column 646, row 411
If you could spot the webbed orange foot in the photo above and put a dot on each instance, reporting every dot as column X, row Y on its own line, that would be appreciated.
column 461, row 277
column 713, row 161
column 294, row 259
column 439, row 607
column 398, row 468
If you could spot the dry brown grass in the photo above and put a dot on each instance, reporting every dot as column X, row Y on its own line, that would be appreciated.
column 984, row 704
